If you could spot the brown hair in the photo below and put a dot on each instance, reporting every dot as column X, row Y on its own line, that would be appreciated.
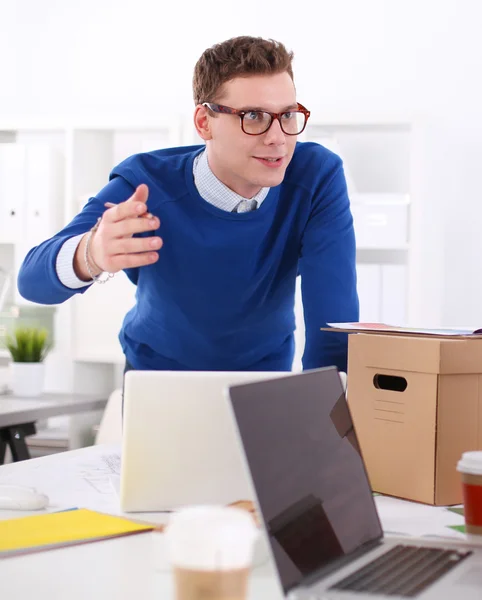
column 237, row 57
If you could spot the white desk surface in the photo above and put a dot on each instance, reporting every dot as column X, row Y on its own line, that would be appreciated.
column 15, row 411
column 135, row 566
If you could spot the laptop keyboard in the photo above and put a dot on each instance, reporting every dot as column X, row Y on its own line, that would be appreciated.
column 402, row 571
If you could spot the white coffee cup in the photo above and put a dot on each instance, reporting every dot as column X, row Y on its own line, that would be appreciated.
column 470, row 468
column 210, row 549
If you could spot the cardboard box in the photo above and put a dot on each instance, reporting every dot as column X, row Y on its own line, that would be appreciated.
column 416, row 403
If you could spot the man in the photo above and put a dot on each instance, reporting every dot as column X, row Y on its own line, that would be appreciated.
column 214, row 236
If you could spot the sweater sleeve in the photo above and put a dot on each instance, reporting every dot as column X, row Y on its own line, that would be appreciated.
column 38, row 280
column 328, row 271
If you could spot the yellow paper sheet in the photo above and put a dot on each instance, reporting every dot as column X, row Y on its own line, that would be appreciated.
column 62, row 528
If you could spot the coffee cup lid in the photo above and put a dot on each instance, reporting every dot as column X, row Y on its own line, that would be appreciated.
column 470, row 463
column 211, row 538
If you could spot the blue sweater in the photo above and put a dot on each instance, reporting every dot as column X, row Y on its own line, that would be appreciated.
column 221, row 295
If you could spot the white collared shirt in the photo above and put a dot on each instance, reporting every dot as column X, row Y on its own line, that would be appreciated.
column 214, row 191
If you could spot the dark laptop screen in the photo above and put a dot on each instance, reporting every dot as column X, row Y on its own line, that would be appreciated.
column 305, row 463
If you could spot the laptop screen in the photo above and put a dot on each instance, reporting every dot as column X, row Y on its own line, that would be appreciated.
column 305, row 463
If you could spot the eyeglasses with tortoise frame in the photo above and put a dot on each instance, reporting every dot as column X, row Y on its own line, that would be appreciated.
column 257, row 122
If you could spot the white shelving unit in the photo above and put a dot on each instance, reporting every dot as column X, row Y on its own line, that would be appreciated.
column 87, row 355
column 376, row 159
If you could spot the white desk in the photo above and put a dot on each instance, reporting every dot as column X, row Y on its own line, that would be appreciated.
column 124, row 568
column 18, row 417
column 134, row 566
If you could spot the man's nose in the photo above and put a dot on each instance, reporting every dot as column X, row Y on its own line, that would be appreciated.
column 275, row 134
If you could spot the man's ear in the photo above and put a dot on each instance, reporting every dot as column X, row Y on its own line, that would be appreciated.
column 202, row 122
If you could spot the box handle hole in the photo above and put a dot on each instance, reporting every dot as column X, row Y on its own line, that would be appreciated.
column 390, row 382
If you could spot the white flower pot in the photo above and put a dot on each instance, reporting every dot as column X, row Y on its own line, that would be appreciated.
column 27, row 379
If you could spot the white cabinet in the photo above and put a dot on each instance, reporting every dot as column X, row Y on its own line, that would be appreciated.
column 44, row 189
column 382, row 290
column 369, row 279
column 380, row 220
column 12, row 193
column 31, row 197
column 31, row 192
column 376, row 160
column 97, row 320
column 394, row 297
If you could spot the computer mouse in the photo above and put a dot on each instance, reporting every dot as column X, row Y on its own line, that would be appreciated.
column 18, row 497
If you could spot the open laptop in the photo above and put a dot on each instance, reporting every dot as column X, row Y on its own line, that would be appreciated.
column 314, row 497
column 179, row 444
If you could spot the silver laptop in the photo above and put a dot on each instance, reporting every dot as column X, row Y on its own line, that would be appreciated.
column 314, row 497
column 179, row 444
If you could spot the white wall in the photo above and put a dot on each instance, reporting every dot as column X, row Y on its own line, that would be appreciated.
column 366, row 59
column 350, row 56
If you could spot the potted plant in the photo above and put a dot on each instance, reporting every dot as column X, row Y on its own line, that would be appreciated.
column 28, row 347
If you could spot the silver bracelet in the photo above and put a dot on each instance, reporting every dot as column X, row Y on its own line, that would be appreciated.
column 95, row 278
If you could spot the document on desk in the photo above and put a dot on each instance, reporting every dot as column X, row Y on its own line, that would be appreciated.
column 56, row 530
column 86, row 478
column 403, row 517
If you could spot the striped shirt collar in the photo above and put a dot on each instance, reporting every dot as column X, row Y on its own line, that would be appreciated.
column 214, row 191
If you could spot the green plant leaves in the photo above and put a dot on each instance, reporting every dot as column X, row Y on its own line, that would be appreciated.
column 28, row 344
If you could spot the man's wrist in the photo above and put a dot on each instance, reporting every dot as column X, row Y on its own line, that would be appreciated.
column 89, row 263
column 80, row 267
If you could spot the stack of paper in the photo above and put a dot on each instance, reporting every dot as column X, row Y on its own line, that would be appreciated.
column 382, row 328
